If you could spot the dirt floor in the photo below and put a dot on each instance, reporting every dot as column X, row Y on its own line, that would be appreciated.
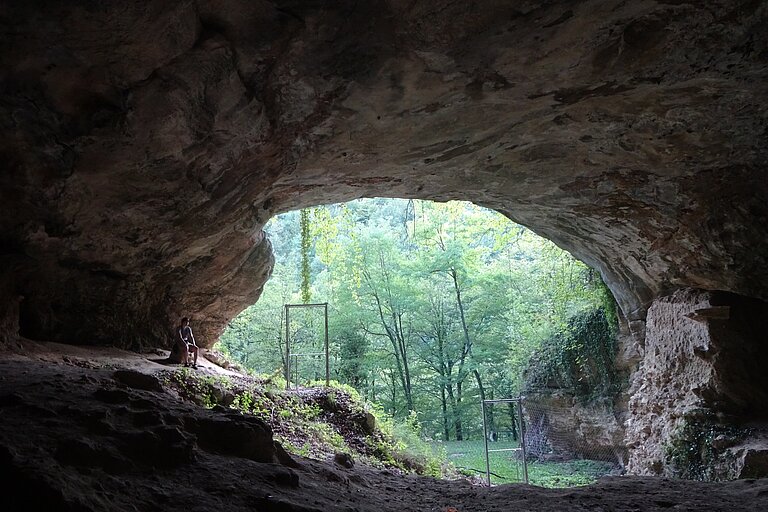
column 94, row 429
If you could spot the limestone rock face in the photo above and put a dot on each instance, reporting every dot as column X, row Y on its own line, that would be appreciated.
column 146, row 144
column 589, row 430
column 704, row 359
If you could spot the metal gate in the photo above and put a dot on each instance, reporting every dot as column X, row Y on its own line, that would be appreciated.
column 292, row 358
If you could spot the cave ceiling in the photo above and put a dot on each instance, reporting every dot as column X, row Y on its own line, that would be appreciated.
column 146, row 143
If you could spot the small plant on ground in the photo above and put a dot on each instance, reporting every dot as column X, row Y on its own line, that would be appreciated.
column 319, row 422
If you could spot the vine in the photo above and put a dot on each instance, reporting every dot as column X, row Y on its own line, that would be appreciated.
column 580, row 359
column 306, row 242
column 608, row 303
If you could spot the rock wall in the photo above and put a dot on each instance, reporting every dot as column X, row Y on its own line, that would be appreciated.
column 592, row 430
column 144, row 145
column 704, row 361
column 580, row 409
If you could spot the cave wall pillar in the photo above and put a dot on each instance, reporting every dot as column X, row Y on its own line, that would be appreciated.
column 704, row 365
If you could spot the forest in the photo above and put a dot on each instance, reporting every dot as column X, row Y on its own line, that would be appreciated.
column 431, row 308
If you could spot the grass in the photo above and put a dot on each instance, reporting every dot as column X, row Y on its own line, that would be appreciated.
column 318, row 422
column 469, row 457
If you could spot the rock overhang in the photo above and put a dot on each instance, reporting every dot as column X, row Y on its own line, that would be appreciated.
column 148, row 146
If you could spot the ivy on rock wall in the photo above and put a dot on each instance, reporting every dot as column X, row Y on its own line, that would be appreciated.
column 580, row 358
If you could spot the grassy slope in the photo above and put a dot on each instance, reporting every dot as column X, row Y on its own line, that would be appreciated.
column 314, row 422
column 320, row 422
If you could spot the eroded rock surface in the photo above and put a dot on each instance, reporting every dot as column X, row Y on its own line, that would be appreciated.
column 704, row 365
column 71, row 439
column 145, row 145
column 575, row 428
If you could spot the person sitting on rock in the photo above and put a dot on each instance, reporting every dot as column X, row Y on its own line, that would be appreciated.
column 185, row 341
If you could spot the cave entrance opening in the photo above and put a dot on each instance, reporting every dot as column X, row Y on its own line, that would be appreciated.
column 431, row 307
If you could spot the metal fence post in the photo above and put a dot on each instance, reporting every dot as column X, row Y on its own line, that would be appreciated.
column 327, row 358
column 294, row 368
column 487, row 459
column 522, row 439
column 520, row 449
column 287, row 350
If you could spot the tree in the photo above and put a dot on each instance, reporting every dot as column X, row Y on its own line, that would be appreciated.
column 433, row 306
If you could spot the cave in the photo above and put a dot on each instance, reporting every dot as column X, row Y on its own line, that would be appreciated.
column 146, row 144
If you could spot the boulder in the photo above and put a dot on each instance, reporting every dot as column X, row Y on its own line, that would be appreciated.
column 138, row 380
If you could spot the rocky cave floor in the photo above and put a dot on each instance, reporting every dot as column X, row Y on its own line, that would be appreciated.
column 82, row 430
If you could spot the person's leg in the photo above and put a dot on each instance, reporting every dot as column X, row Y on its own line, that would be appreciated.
column 194, row 350
column 184, row 354
column 179, row 353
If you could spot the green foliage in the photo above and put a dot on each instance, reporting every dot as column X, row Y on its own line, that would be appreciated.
column 606, row 300
column 248, row 402
column 306, row 242
column 314, row 424
column 567, row 474
column 351, row 364
column 692, row 452
column 580, row 359
column 351, row 391
column 414, row 451
column 422, row 295
column 322, row 440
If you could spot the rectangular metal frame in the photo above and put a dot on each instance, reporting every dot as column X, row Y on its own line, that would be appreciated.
column 519, row 402
column 288, row 354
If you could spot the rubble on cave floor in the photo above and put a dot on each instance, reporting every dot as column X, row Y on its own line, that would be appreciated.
column 99, row 431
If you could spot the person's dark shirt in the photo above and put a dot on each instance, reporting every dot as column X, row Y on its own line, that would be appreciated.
column 186, row 334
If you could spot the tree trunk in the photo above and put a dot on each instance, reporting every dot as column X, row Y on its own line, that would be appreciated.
column 401, row 355
column 404, row 354
column 394, row 395
column 466, row 349
column 444, row 408
column 511, row 409
column 454, row 413
column 489, row 411
column 457, row 421
column 395, row 334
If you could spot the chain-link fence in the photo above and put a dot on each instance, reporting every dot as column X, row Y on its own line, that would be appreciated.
column 569, row 444
column 545, row 444
column 504, row 440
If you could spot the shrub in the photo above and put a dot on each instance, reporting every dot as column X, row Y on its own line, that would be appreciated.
column 415, row 453
column 206, row 390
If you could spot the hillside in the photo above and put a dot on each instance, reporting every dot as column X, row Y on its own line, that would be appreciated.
column 87, row 429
